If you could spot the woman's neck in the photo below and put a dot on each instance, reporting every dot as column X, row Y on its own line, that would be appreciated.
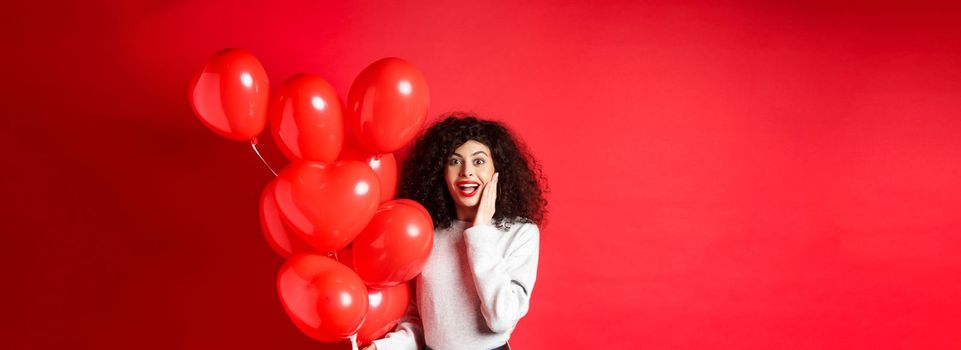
column 466, row 214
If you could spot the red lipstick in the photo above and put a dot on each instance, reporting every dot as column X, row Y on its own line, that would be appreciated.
column 468, row 188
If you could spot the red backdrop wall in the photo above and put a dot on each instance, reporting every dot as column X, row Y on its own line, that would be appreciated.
column 724, row 175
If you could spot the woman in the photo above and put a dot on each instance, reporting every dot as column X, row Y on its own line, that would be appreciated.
column 484, row 193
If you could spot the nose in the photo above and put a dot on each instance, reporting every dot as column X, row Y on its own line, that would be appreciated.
column 465, row 171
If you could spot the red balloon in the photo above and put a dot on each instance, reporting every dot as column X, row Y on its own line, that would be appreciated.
column 385, row 165
column 346, row 256
column 306, row 119
column 327, row 204
column 420, row 207
column 387, row 105
column 385, row 307
column 395, row 245
column 281, row 238
column 230, row 95
column 325, row 299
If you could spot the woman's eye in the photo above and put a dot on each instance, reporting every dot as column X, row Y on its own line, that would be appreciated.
column 454, row 161
column 478, row 161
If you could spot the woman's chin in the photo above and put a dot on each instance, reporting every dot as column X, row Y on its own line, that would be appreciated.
column 467, row 205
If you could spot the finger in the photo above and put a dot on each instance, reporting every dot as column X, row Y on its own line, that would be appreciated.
column 488, row 197
column 490, row 192
column 493, row 194
column 487, row 191
column 494, row 190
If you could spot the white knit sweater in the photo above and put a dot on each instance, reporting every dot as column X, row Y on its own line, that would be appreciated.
column 474, row 288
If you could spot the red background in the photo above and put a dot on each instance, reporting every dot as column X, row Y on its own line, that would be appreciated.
column 725, row 175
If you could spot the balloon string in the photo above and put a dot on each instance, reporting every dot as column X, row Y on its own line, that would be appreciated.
column 353, row 342
column 253, row 144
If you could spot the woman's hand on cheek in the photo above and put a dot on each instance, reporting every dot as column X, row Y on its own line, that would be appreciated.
column 485, row 209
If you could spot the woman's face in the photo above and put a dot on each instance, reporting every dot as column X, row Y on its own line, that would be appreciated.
column 468, row 170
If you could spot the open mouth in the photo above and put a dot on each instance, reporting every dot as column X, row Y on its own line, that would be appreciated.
column 468, row 188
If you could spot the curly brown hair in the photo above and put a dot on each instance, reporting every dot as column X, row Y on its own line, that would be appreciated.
column 520, row 188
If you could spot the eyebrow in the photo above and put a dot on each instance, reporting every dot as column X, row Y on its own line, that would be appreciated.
column 475, row 153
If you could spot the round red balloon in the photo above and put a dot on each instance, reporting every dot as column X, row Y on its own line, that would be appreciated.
column 385, row 307
column 395, row 245
column 420, row 207
column 325, row 299
column 281, row 238
column 327, row 204
column 346, row 256
column 387, row 105
column 385, row 165
column 230, row 95
column 306, row 119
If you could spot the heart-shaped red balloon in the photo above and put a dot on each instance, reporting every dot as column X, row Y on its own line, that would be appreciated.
column 385, row 307
column 395, row 245
column 230, row 95
column 387, row 105
column 281, row 238
column 306, row 119
column 325, row 299
column 385, row 165
column 327, row 204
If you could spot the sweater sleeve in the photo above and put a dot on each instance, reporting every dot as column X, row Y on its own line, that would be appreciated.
column 408, row 334
column 504, row 278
